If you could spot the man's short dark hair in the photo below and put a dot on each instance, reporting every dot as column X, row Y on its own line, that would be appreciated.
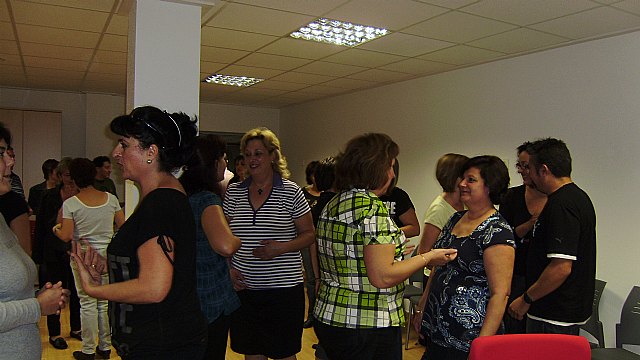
column 325, row 174
column 553, row 153
column 5, row 134
column 82, row 171
column 494, row 173
column 48, row 167
column 523, row 147
column 310, row 171
column 100, row 160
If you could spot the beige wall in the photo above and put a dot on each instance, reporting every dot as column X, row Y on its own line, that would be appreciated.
column 586, row 94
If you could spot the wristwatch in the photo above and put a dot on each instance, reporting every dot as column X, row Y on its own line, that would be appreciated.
column 527, row 299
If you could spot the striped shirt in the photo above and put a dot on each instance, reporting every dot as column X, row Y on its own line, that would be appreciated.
column 350, row 221
column 274, row 220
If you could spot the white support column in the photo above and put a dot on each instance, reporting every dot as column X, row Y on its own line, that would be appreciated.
column 163, row 67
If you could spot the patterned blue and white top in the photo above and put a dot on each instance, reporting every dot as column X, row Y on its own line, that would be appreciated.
column 274, row 220
column 459, row 293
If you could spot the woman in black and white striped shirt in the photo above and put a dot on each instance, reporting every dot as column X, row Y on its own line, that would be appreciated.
column 271, row 217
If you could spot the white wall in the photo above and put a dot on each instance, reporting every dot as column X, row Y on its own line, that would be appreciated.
column 72, row 106
column 586, row 94
column 86, row 119
column 237, row 119
column 101, row 109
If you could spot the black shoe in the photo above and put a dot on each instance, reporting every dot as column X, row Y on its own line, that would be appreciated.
column 58, row 343
column 307, row 324
column 102, row 354
column 79, row 355
column 76, row 335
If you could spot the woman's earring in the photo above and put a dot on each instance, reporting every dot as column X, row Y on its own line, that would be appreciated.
column 149, row 161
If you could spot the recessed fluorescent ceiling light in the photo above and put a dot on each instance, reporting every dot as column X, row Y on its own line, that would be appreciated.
column 232, row 80
column 338, row 32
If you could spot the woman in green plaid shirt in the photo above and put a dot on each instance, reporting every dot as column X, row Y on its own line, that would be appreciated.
column 359, row 305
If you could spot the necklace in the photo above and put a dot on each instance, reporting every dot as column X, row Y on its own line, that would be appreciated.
column 259, row 191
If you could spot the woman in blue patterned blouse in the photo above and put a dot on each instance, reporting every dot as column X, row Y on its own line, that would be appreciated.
column 466, row 298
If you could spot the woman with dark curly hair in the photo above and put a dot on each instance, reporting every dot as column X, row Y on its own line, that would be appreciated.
column 467, row 297
column 154, row 308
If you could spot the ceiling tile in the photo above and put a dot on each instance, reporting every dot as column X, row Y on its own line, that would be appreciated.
column 13, row 79
column 462, row 55
column 263, row 92
column 458, row 27
column 392, row 15
column 210, row 67
column 97, row 5
column 361, row 57
column 261, row 73
column 6, row 31
column 273, row 61
column 258, row 20
column 110, row 57
column 11, row 60
column 331, row 69
column 44, row 35
column 95, row 76
column 418, row 67
column 9, row 47
column 525, row 12
column 405, row 44
column 234, row 39
column 632, row 6
column 54, row 83
column 302, row 78
column 220, row 55
column 104, row 86
column 4, row 12
column 322, row 89
column 217, row 89
column 279, row 85
column 449, row 4
column 58, row 16
column 118, row 25
column 6, row 69
column 48, row 63
column 33, row 72
column 379, row 75
column 301, row 48
column 350, row 84
column 114, row 42
column 314, row 8
column 108, row 68
column 518, row 40
column 599, row 21
column 56, row 51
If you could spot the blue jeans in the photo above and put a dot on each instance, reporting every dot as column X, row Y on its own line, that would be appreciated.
column 363, row 344
column 541, row 327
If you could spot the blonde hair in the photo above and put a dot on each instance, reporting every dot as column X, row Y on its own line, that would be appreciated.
column 271, row 142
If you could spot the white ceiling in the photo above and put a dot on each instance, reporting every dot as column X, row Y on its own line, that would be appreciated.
column 81, row 45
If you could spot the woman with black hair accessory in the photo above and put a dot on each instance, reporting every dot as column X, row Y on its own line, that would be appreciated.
column 154, row 308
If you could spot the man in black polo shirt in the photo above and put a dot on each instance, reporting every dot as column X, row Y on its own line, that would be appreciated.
column 561, row 263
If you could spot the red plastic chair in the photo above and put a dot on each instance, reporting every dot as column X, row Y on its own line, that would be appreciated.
column 530, row 347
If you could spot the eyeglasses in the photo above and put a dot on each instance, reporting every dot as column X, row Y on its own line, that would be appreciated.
column 522, row 166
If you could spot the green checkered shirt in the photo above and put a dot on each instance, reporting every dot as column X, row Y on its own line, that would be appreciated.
column 350, row 221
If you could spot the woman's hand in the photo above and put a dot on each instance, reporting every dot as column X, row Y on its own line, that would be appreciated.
column 439, row 257
column 237, row 279
column 90, row 264
column 269, row 249
column 417, row 322
column 52, row 298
